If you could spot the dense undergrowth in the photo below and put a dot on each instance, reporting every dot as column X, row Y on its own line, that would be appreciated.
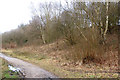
column 55, row 57
column 85, row 35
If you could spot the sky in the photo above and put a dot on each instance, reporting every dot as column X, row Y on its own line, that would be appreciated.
column 16, row 12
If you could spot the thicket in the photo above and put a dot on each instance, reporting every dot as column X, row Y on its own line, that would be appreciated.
column 83, row 26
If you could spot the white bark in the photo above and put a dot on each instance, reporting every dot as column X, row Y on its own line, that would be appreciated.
column 106, row 28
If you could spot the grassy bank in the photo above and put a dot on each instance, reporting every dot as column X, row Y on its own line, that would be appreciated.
column 54, row 66
column 6, row 73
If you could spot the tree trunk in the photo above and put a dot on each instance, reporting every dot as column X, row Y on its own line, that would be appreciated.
column 106, row 27
column 42, row 35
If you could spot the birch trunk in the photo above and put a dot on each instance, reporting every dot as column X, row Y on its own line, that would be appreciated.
column 106, row 27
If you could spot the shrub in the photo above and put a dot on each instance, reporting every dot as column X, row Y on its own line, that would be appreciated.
column 87, row 49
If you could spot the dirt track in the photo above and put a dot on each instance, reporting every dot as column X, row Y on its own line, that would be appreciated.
column 30, row 70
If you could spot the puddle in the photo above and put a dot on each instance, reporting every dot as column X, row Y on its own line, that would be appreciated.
column 13, row 68
column 17, row 70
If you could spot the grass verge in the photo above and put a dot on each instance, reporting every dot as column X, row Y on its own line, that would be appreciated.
column 6, row 73
column 48, row 64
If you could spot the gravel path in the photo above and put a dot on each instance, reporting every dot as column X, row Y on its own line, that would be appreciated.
column 28, row 69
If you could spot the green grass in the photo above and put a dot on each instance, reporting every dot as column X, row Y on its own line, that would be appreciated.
column 10, row 74
column 6, row 73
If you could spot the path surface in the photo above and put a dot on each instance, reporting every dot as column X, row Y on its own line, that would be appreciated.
column 30, row 70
